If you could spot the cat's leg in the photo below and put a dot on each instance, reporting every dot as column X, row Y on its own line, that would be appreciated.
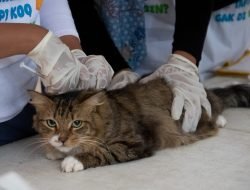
column 123, row 152
column 83, row 161
column 53, row 154
column 221, row 121
column 118, row 152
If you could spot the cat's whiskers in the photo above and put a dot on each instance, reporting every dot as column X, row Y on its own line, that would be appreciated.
column 98, row 140
column 82, row 139
column 87, row 139
column 36, row 141
column 104, row 144
column 41, row 145
column 38, row 145
column 86, row 142
column 28, row 146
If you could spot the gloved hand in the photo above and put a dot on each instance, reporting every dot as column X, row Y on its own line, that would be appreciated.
column 59, row 70
column 122, row 79
column 100, row 72
column 189, row 93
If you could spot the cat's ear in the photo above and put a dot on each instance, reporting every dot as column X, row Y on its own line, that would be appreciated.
column 39, row 100
column 95, row 100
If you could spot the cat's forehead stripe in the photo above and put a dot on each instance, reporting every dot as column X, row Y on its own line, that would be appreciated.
column 63, row 107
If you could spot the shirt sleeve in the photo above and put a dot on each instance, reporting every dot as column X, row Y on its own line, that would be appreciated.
column 192, row 19
column 55, row 15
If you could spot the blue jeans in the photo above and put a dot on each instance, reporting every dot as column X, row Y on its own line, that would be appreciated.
column 19, row 127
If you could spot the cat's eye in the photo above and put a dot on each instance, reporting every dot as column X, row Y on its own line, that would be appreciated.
column 51, row 123
column 77, row 124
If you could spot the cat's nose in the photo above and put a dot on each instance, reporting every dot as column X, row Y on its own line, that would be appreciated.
column 62, row 139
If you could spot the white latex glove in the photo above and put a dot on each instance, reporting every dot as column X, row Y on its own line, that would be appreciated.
column 99, row 69
column 59, row 70
column 122, row 79
column 189, row 93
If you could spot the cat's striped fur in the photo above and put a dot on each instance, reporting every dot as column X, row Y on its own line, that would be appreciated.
column 121, row 125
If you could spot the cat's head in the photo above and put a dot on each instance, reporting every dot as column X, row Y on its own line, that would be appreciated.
column 69, row 121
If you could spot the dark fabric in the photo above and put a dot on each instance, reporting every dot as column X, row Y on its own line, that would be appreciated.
column 19, row 127
column 93, row 34
column 192, row 18
column 222, row 3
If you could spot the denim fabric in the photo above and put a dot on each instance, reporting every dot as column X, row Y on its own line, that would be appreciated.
column 19, row 127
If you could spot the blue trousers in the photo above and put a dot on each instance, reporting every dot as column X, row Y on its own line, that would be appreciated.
column 19, row 127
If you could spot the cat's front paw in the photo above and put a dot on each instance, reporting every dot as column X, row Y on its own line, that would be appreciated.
column 71, row 164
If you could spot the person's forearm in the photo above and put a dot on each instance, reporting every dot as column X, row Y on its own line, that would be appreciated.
column 22, row 38
column 93, row 34
column 19, row 38
column 186, row 55
column 192, row 19
column 71, row 41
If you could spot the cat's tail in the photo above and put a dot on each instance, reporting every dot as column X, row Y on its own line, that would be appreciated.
column 234, row 96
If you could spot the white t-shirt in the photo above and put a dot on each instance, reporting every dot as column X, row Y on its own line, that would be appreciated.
column 54, row 15
column 227, row 36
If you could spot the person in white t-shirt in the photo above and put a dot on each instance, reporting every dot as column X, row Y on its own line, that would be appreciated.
column 40, row 36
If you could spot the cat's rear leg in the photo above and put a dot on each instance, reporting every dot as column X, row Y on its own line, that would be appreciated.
column 208, row 128
column 221, row 121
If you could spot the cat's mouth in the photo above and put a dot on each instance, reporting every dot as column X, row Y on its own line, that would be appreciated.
column 54, row 141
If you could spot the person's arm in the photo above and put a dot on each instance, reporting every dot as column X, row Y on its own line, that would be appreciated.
column 61, row 23
column 71, row 41
column 94, row 36
column 19, row 38
column 192, row 19
column 181, row 71
column 22, row 38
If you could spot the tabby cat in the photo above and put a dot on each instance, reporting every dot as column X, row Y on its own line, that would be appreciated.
column 96, row 128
